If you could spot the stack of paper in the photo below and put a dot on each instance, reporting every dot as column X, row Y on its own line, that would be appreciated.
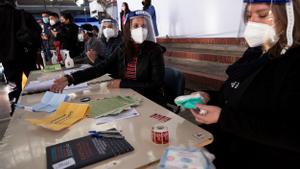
column 66, row 115
column 50, row 102
column 41, row 86
column 186, row 157
column 38, row 86
column 111, row 106
column 124, row 115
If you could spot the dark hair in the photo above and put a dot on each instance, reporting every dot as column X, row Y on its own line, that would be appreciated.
column 68, row 16
column 129, row 48
column 95, row 28
column 279, row 12
column 45, row 12
column 127, row 10
column 146, row 4
column 89, row 28
column 53, row 14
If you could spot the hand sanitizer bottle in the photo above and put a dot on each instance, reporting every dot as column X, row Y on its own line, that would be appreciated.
column 54, row 58
column 69, row 63
column 43, row 58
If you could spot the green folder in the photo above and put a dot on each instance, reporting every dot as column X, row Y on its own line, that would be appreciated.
column 52, row 68
column 111, row 106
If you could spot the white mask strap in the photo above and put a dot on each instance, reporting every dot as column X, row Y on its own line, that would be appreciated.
column 290, row 26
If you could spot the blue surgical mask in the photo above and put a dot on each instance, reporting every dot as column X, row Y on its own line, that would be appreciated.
column 46, row 20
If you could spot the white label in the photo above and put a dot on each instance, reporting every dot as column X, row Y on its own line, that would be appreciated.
column 64, row 164
column 27, row 108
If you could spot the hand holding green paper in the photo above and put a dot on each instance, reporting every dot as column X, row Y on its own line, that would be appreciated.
column 189, row 101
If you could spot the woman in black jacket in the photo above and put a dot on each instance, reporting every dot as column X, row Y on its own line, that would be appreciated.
column 124, row 11
column 258, row 117
column 138, row 63
column 69, row 34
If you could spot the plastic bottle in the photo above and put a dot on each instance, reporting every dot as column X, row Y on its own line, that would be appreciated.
column 69, row 63
column 43, row 58
column 54, row 58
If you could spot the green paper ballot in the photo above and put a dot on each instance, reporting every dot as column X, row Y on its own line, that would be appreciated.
column 189, row 101
column 111, row 106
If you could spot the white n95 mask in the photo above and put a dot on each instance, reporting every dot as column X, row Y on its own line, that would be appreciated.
column 80, row 37
column 52, row 22
column 139, row 35
column 257, row 34
column 108, row 33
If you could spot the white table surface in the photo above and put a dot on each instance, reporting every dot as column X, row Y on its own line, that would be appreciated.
column 24, row 145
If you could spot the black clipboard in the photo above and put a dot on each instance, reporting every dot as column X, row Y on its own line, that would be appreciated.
column 84, row 151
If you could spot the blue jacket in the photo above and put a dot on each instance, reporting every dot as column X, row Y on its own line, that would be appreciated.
column 151, row 11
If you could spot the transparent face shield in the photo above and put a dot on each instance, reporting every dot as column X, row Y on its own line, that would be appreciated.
column 82, row 33
column 141, row 26
column 109, row 28
column 259, row 26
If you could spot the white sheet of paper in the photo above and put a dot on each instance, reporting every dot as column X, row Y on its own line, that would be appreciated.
column 64, row 164
column 35, row 86
column 124, row 115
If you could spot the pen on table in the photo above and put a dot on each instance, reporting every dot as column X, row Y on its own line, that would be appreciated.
column 106, row 134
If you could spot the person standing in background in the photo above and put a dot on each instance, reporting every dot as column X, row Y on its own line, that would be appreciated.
column 151, row 10
column 55, row 43
column 68, row 35
column 19, row 45
column 124, row 11
column 96, row 31
column 55, row 27
column 45, row 35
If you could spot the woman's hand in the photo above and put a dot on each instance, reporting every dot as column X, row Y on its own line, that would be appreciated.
column 114, row 84
column 212, row 115
column 92, row 55
column 59, row 85
column 204, row 95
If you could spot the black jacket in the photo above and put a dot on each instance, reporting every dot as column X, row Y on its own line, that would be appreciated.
column 56, row 28
column 260, row 120
column 121, row 16
column 149, row 70
column 15, row 56
column 108, row 47
column 11, row 49
column 68, row 37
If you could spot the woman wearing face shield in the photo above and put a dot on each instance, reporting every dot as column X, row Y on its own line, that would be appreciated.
column 257, row 115
column 138, row 63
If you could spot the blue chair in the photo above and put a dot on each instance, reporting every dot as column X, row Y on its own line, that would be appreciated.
column 174, row 86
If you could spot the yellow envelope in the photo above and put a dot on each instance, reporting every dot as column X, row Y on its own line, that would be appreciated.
column 66, row 115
